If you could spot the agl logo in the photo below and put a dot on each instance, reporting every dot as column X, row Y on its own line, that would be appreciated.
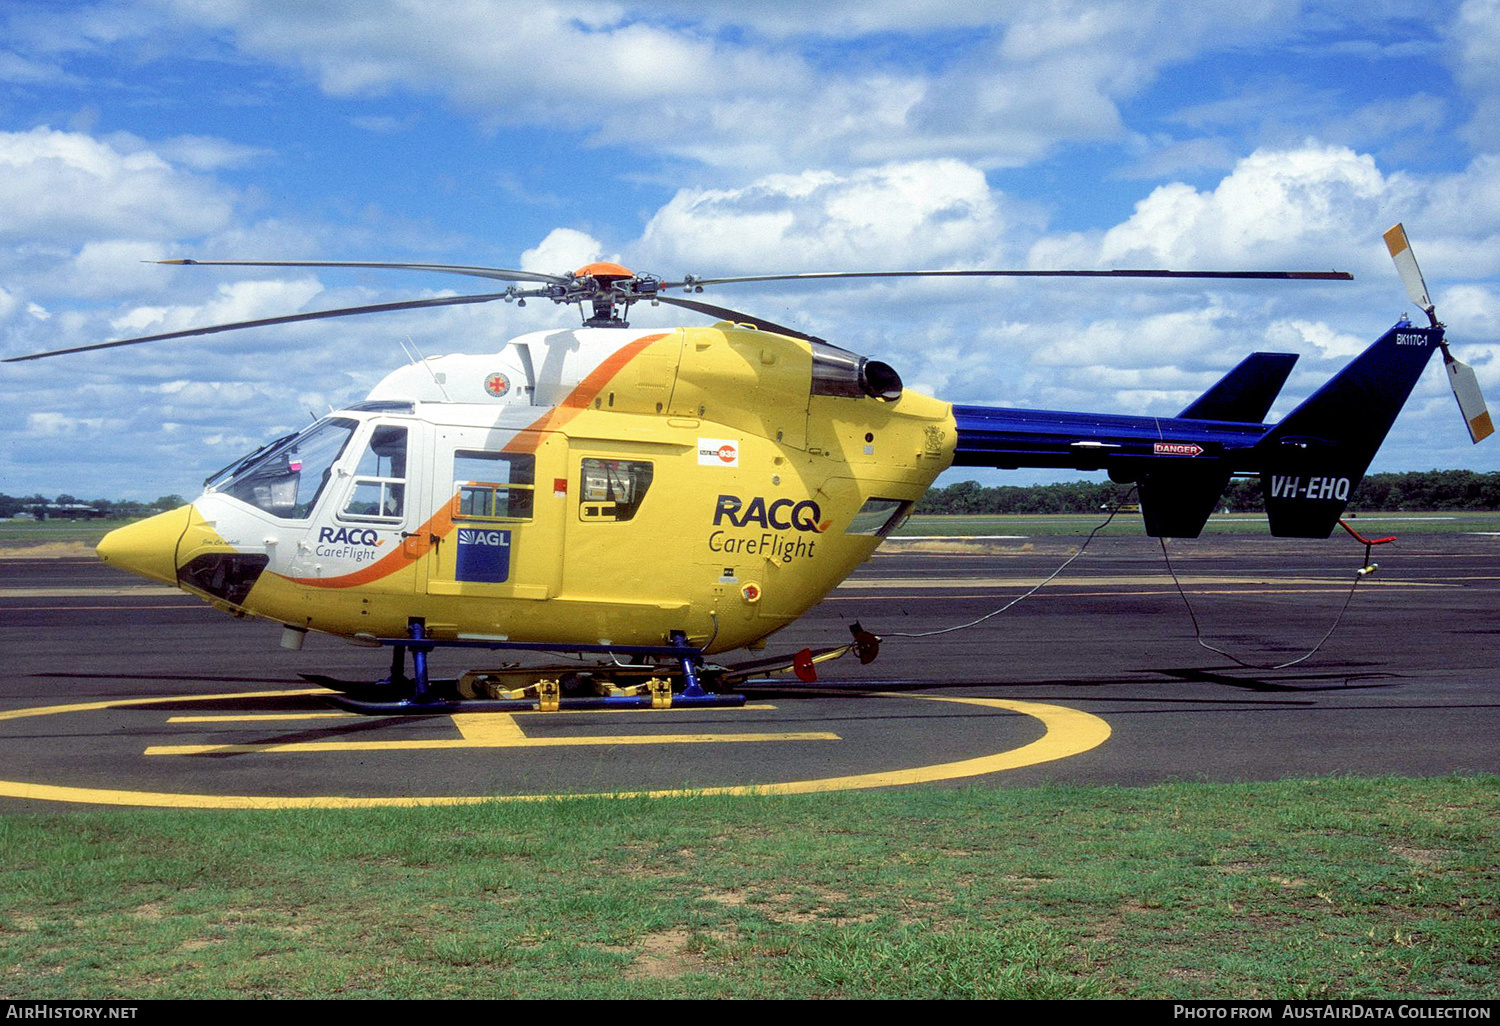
column 468, row 536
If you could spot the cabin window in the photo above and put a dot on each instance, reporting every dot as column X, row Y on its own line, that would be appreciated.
column 612, row 489
column 287, row 481
column 494, row 485
column 879, row 517
column 379, row 489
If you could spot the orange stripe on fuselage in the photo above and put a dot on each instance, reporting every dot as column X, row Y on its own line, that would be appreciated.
column 526, row 440
column 579, row 399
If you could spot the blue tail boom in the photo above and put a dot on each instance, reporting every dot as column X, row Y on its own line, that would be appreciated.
column 1308, row 463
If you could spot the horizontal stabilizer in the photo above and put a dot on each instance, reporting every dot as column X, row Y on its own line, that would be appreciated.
column 1246, row 393
column 1176, row 501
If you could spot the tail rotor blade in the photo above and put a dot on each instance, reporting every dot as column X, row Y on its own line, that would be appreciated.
column 1470, row 400
column 1460, row 375
column 1406, row 266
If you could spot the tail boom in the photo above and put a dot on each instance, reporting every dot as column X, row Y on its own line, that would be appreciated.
column 1308, row 463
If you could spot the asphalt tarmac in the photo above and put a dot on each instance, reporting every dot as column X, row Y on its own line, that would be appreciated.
column 117, row 692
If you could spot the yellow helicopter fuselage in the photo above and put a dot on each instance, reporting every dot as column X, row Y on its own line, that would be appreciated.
column 595, row 486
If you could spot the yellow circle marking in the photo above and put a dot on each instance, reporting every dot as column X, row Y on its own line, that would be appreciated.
column 1068, row 732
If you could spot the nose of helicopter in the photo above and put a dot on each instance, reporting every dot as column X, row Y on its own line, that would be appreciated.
column 147, row 547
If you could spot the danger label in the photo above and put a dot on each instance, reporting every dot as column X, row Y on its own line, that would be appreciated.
column 1177, row 449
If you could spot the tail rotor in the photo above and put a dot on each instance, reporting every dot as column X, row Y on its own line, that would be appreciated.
column 1460, row 375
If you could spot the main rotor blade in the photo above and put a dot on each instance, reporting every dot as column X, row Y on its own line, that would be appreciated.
column 497, row 273
column 410, row 304
column 1117, row 273
column 726, row 314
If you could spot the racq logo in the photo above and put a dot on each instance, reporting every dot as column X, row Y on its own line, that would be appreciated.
column 781, row 515
column 360, row 544
column 718, row 452
column 788, row 528
column 347, row 536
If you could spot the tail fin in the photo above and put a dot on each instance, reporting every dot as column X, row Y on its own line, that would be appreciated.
column 1177, row 498
column 1314, row 457
column 1246, row 393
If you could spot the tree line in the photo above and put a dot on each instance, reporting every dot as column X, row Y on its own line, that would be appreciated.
column 1417, row 490
column 63, row 506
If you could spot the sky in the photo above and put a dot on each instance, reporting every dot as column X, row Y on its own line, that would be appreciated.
column 719, row 138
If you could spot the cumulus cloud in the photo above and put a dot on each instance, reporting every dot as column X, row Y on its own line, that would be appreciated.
column 872, row 137
column 1153, row 345
column 1174, row 337
column 1311, row 206
column 1273, row 204
column 735, row 85
column 551, row 58
column 235, row 301
column 68, row 185
column 564, row 249
column 110, row 268
column 57, row 425
column 1297, row 335
column 1471, row 309
column 897, row 216
column 1476, row 34
column 1465, row 208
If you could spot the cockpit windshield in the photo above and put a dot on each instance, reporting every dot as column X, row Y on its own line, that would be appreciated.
column 286, row 478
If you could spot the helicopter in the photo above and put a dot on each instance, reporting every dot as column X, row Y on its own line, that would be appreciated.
column 650, row 499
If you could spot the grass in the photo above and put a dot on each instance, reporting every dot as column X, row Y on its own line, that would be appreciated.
column 36, row 532
column 1338, row 888
column 53, row 539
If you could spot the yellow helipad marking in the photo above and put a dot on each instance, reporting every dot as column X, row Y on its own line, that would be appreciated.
column 485, row 730
column 1067, row 732
column 1136, row 593
column 261, row 717
column 120, row 703
column 1151, row 580
column 124, row 590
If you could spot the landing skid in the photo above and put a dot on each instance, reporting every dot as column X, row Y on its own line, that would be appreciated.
column 658, row 677
column 671, row 679
column 447, row 706
column 513, row 689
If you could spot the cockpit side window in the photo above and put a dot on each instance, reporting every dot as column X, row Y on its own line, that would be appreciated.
column 288, row 480
column 379, row 489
